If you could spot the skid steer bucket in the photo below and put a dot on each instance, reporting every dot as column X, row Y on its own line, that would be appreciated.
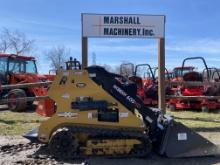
column 180, row 141
column 32, row 135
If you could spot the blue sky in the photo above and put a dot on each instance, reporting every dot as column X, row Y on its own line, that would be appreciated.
column 192, row 29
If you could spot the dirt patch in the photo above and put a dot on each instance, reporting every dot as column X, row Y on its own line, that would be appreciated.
column 17, row 150
column 212, row 136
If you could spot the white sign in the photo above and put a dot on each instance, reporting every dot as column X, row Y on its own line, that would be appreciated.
column 123, row 114
column 182, row 136
column 123, row 26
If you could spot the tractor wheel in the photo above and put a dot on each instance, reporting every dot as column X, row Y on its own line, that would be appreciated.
column 17, row 105
column 172, row 107
column 30, row 104
column 205, row 108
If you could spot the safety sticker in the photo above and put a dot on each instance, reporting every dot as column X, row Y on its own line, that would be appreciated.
column 182, row 136
column 66, row 73
column 67, row 114
column 92, row 75
column 80, row 85
column 89, row 115
column 92, row 115
column 66, row 96
column 123, row 114
column 78, row 73
column 148, row 119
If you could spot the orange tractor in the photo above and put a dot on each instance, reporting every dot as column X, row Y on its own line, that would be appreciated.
column 16, row 69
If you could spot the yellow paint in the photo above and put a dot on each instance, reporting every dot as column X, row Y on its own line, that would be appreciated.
column 110, row 146
column 70, row 92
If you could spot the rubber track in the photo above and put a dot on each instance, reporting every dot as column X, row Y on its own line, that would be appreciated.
column 103, row 133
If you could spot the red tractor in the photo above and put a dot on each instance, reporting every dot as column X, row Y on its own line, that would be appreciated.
column 188, row 74
column 16, row 69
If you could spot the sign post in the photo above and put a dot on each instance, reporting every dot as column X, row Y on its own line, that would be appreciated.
column 84, row 52
column 161, row 75
column 127, row 26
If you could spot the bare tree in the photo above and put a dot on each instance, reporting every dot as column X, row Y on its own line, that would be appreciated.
column 57, row 56
column 119, row 69
column 4, row 41
column 107, row 67
column 15, row 42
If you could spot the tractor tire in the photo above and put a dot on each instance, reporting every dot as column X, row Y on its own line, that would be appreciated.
column 205, row 108
column 17, row 105
column 172, row 107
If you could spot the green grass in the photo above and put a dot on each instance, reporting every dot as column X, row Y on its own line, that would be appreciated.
column 12, row 123
column 199, row 121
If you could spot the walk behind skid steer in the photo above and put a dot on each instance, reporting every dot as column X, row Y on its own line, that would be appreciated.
column 98, row 113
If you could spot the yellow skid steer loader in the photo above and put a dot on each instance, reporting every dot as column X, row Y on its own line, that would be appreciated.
column 98, row 113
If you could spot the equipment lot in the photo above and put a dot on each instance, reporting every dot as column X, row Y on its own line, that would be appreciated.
column 16, row 150
column 167, row 112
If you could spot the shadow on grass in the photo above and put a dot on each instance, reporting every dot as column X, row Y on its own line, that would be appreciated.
column 210, row 129
column 9, row 122
column 197, row 119
column 214, row 111
column 12, row 122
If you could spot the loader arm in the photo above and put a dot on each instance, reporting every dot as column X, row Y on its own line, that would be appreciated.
column 125, row 91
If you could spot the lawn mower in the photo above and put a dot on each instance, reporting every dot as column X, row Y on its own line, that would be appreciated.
column 188, row 74
column 143, row 77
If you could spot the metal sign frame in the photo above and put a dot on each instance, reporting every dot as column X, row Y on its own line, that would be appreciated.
column 161, row 65
column 93, row 25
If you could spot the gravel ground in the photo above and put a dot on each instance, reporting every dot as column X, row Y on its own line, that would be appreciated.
column 17, row 150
